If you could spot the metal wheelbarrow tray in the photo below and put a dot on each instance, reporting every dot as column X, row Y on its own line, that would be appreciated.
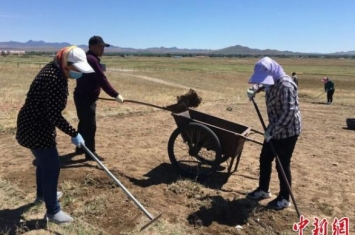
column 202, row 142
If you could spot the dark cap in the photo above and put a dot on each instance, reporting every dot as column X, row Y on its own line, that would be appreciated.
column 97, row 40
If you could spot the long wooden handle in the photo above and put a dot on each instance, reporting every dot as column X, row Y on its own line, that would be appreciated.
column 277, row 159
column 125, row 190
column 136, row 102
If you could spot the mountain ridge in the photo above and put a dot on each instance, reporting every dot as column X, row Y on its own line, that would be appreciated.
column 41, row 45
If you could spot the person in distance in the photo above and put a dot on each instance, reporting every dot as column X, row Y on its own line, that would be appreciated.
column 329, row 88
column 295, row 78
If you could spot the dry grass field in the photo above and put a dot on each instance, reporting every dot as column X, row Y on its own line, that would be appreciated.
column 133, row 140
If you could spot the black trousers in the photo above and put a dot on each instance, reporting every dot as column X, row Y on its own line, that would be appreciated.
column 284, row 149
column 86, row 111
column 330, row 96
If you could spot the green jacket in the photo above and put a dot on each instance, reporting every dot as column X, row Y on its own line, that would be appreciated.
column 329, row 86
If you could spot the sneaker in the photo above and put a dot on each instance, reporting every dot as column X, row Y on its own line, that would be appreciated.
column 59, row 218
column 258, row 194
column 89, row 158
column 279, row 203
column 41, row 199
column 79, row 151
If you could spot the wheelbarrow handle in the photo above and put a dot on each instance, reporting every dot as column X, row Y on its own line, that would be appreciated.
column 256, row 131
column 254, row 141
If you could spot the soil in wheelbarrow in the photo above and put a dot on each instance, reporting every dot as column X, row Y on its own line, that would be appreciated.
column 189, row 100
column 134, row 146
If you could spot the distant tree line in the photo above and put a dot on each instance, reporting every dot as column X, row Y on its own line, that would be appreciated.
column 124, row 54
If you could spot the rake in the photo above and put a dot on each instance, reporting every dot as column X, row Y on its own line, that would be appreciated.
column 317, row 97
column 152, row 219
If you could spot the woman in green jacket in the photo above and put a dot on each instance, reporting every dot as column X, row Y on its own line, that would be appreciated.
column 329, row 88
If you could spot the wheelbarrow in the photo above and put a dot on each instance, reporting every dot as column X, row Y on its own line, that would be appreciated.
column 201, row 142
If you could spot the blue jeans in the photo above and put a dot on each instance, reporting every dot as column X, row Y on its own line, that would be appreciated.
column 47, row 175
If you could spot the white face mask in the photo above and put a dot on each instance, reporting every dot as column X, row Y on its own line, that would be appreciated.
column 75, row 74
column 267, row 86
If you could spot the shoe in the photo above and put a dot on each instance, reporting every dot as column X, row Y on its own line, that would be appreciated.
column 279, row 203
column 59, row 218
column 79, row 151
column 89, row 158
column 258, row 194
column 41, row 199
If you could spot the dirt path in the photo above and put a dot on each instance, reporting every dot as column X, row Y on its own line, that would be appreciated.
column 156, row 80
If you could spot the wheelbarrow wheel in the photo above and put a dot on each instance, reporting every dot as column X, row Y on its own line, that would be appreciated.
column 194, row 150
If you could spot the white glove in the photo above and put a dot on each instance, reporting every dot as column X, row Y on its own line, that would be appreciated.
column 267, row 136
column 256, row 88
column 77, row 140
column 119, row 99
column 251, row 93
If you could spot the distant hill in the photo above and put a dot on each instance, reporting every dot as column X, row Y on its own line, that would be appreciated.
column 32, row 45
column 52, row 47
column 233, row 50
column 344, row 53
column 242, row 50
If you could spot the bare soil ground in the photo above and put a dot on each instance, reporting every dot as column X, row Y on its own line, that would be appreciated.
column 134, row 146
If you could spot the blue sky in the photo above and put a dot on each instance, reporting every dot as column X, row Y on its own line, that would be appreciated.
column 303, row 25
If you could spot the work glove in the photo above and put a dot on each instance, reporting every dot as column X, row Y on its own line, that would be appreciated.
column 251, row 93
column 267, row 136
column 119, row 99
column 77, row 140
column 256, row 88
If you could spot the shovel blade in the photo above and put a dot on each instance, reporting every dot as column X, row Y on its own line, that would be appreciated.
column 177, row 108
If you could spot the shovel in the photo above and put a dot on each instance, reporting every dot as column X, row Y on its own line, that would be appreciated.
column 152, row 219
column 184, row 102
column 177, row 108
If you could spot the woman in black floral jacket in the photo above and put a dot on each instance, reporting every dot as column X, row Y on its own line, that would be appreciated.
column 39, row 117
